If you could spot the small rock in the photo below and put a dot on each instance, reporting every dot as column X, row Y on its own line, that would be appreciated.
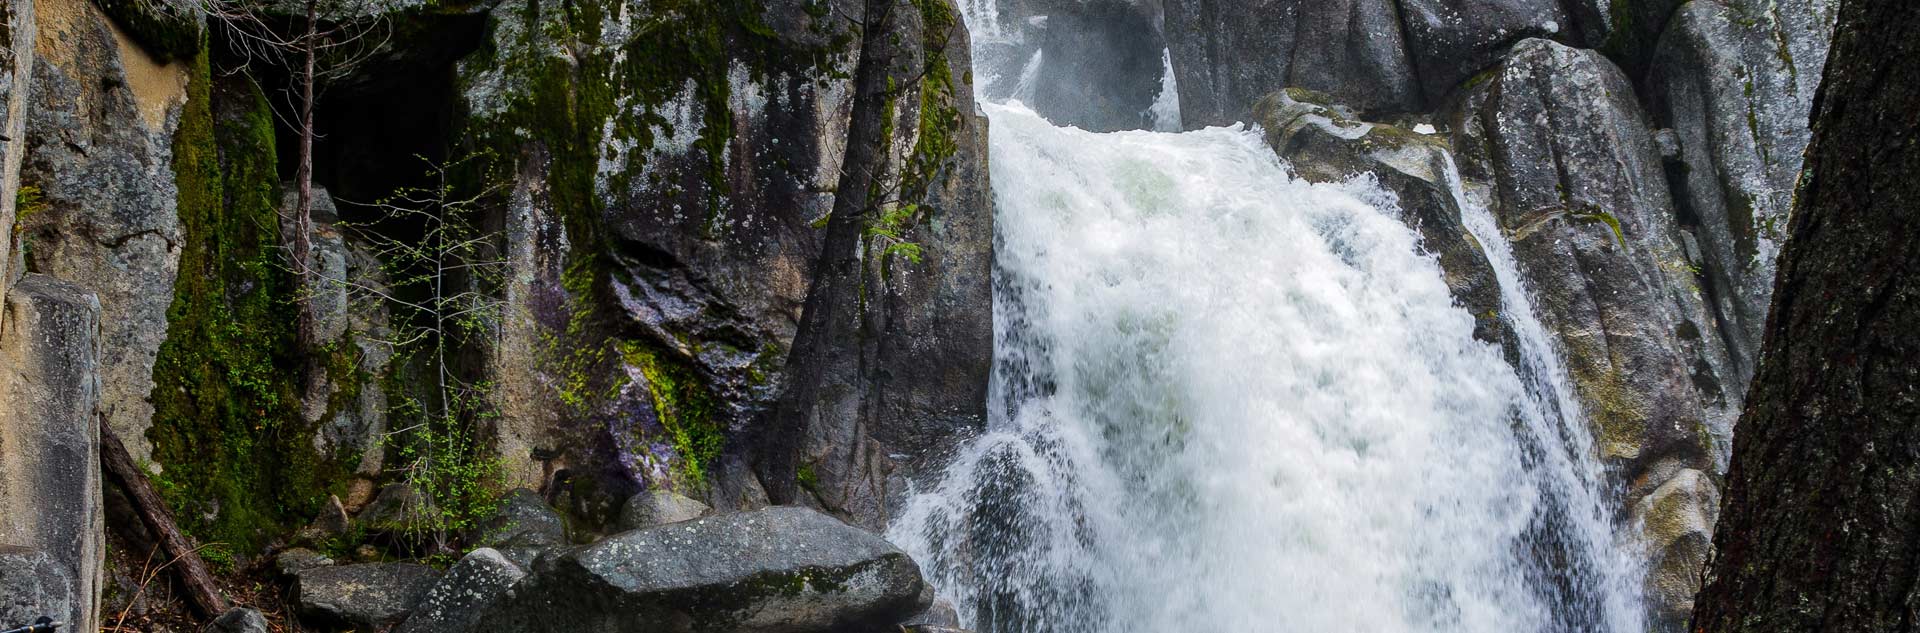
column 398, row 507
column 293, row 561
column 359, row 494
column 333, row 521
column 941, row 614
column 238, row 620
column 454, row 603
column 929, row 628
column 523, row 528
column 370, row 596
column 659, row 507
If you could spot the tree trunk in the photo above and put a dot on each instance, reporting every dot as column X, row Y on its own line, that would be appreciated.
column 1820, row 530
column 827, row 341
column 185, row 560
column 304, row 287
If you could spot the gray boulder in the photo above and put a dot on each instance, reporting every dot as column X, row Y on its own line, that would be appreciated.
column 1325, row 143
column 1735, row 80
column 1227, row 55
column 456, row 600
column 657, row 507
column 368, row 596
column 49, row 429
column 523, row 527
column 35, row 584
column 348, row 308
column 787, row 569
column 299, row 559
column 239, row 620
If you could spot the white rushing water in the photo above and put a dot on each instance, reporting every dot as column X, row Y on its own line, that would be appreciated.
column 1226, row 399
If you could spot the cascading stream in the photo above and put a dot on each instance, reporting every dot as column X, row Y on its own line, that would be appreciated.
column 1228, row 399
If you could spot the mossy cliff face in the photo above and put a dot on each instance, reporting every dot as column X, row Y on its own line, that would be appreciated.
column 235, row 458
column 670, row 160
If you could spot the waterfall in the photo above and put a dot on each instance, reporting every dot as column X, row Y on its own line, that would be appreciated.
column 1225, row 399
column 1165, row 112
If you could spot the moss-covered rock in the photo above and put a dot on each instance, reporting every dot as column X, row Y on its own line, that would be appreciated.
column 236, row 459
column 670, row 164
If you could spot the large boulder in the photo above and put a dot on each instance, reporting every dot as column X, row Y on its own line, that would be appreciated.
column 343, row 400
column 1227, row 55
column 50, row 439
column 1580, row 192
column 1323, row 142
column 454, row 602
column 661, row 220
column 368, row 596
column 1735, row 80
column 785, row 569
column 100, row 148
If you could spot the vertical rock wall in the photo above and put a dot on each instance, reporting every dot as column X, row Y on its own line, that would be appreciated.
column 49, row 440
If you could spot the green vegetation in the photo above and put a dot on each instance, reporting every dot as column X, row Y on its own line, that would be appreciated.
column 685, row 408
column 238, row 461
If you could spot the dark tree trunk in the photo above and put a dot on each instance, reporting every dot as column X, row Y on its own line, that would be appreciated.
column 1821, row 526
column 828, row 340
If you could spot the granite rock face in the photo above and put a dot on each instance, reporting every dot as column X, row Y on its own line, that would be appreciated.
column 50, row 441
column 1101, row 65
column 99, row 148
column 1227, row 55
column 34, row 585
column 1735, row 81
column 662, row 241
column 785, row 569
column 16, row 82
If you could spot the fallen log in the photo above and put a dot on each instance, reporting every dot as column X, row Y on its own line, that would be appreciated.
column 188, row 568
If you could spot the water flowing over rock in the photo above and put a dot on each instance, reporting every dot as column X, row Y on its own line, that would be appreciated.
column 784, row 569
column 1127, row 482
column 1580, row 192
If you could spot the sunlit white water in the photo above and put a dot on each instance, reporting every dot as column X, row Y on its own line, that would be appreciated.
column 1166, row 106
column 1229, row 400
